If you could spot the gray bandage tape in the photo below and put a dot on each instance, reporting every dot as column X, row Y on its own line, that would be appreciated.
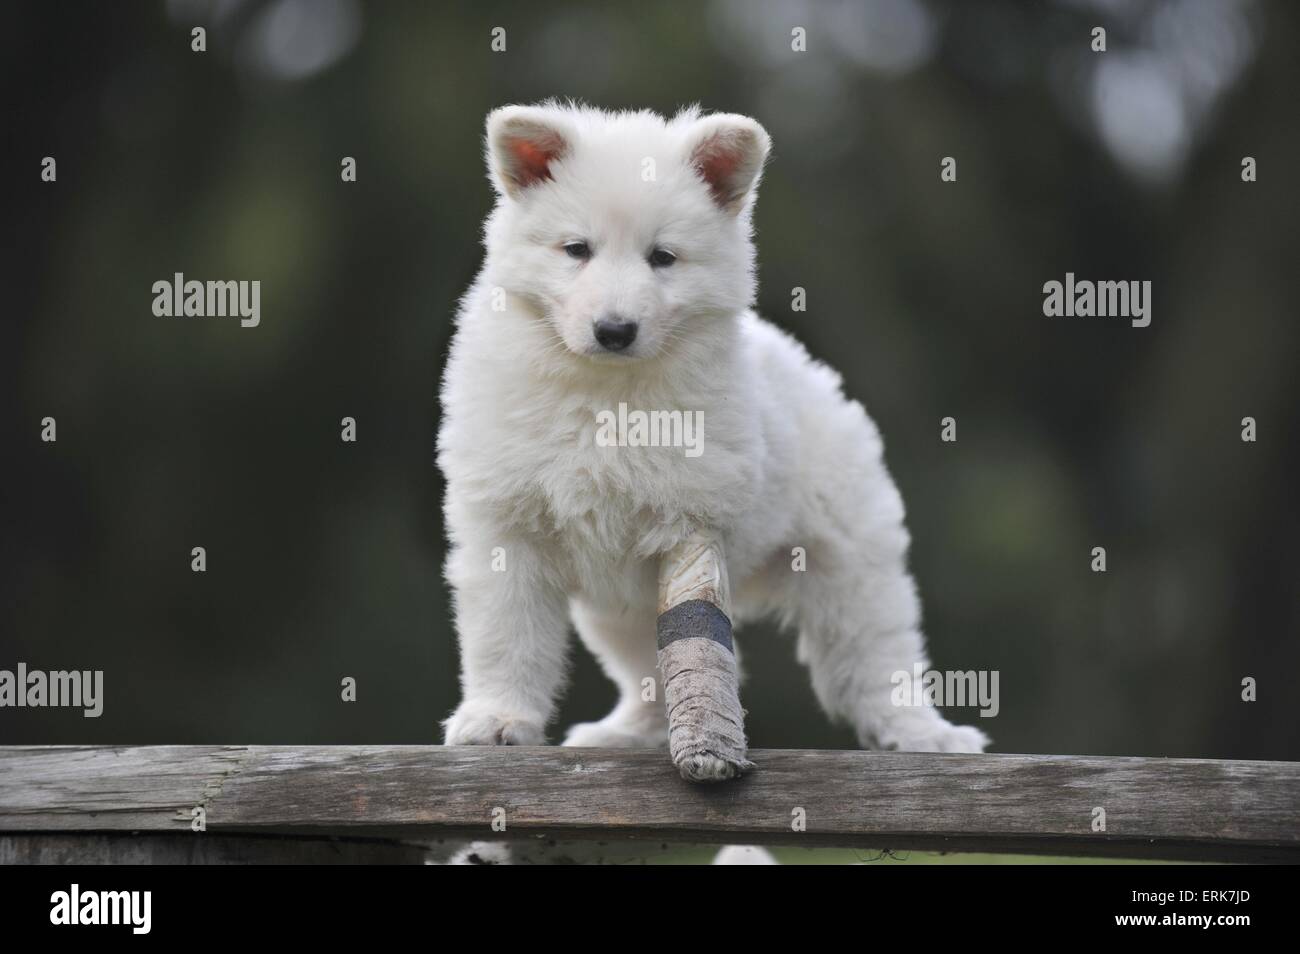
column 695, row 618
column 706, row 725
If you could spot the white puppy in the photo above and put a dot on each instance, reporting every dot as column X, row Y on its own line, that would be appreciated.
column 620, row 271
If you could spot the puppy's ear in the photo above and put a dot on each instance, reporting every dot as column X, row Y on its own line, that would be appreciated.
column 523, row 142
column 728, row 152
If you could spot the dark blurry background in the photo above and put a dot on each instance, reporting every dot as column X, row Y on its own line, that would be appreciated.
column 324, row 557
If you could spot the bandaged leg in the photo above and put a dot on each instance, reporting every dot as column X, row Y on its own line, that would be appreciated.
column 706, row 725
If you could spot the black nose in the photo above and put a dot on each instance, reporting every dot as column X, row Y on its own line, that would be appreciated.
column 615, row 334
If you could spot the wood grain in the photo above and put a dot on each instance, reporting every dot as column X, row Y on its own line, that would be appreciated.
column 1173, row 808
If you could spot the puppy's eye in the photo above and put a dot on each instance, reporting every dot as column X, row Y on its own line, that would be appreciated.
column 662, row 258
column 579, row 250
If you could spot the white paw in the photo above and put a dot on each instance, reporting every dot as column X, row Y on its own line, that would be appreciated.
column 941, row 736
column 744, row 855
column 614, row 735
column 477, row 724
column 710, row 768
column 483, row 853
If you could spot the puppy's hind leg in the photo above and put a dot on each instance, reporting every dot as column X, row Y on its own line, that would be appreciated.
column 857, row 629
column 624, row 645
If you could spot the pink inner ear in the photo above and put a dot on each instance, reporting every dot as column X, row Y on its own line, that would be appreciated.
column 531, row 160
column 718, row 166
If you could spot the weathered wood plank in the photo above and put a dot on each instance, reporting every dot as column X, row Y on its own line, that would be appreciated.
column 95, row 848
column 1178, row 808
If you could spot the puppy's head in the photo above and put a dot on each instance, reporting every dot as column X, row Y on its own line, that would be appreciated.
column 628, row 233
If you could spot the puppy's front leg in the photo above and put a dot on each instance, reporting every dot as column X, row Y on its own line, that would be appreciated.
column 512, row 623
column 706, row 725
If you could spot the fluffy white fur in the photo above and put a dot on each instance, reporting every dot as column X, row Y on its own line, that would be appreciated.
column 788, row 461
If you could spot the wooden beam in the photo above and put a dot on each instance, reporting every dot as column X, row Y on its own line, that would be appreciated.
column 158, row 848
column 1154, row 808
